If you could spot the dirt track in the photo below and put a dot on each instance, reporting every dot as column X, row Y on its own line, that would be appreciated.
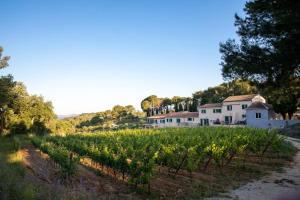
column 278, row 185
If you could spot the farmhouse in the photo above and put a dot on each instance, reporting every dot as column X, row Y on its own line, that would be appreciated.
column 251, row 110
column 258, row 114
column 184, row 118
column 231, row 111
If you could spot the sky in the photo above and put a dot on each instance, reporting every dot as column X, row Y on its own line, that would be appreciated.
column 89, row 55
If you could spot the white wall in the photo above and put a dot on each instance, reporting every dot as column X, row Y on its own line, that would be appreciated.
column 252, row 121
column 237, row 112
column 183, row 122
column 210, row 115
column 265, row 121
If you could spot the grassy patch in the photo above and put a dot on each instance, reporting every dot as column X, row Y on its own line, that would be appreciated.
column 291, row 131
column 12, row 184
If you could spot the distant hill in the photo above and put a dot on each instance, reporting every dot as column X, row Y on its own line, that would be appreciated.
column 119, row 117
column 66, row 116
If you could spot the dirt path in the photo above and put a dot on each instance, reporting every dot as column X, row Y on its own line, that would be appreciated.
column 85, row 184
column 274, row 186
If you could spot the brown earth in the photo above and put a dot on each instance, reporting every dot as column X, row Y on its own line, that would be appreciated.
column 92, row 181
column 282, row 185
column 84, row 185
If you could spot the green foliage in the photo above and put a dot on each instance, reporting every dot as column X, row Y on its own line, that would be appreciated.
column 153, row 105
column 13, row 184
column 218, row 93
column 137, row 152
column 120, row 117
column 66, row 160
column 268, row 51
column 3, row 60
column 28, row 113
column 21, row 112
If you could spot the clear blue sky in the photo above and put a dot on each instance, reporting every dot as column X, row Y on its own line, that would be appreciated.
column 86, row 56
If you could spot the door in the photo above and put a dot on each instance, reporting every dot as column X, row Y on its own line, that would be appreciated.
column 204, row 122
column 228, row 119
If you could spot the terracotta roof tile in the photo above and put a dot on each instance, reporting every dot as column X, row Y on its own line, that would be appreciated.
column 183, row 114
column 248, row 97
column 211, row 105
column 157, row 117
column 260, row 105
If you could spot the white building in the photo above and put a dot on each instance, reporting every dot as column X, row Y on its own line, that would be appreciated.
column 231, row 111
column 243, row 109
column 261, row 115
column 173, row 119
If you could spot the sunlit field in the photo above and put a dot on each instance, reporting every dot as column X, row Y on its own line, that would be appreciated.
column 139, row 157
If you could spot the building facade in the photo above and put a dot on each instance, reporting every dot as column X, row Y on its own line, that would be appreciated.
column 174, row 119
column 250, row 110
column 231, row 111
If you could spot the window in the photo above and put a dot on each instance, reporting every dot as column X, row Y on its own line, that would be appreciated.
column 217, row 110
column 190, row 119
column 229, row 107
column 204, row 122
column 162, row 121
column 203, row 111
column 228, row 119
column 177, row 120
column 244, row 106
column 243, row 116
column 170, row 120
column 258, row 115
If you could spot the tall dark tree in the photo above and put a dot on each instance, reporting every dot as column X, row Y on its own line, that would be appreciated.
column 151, row 104
column 268, row 51
column 6, row 85
column 3, row 59
column 220, row 92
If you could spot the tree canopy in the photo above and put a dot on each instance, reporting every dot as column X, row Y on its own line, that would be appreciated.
column 154, row 105
column 218, row 93
column 3, row 59
column 118, row 117
column 21, row 112
column 268, row 51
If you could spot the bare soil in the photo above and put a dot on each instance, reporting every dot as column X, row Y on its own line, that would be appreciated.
column 92, row 181
column 84, row 185
column 281, row 185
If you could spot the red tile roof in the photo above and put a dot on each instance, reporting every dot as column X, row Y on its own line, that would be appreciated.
column 157, row 117
column 211, row 105
column 260, row 105
column 248, row 97
column 183, row 114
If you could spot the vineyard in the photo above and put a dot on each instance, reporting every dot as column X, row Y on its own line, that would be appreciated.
column 138, row 156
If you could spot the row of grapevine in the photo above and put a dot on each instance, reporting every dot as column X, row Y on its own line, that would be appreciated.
column 136, row 153
column 59, row 154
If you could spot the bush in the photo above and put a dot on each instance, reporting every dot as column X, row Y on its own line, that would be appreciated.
column 19, row 128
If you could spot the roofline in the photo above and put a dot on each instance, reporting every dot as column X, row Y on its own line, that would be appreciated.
column 254, row 95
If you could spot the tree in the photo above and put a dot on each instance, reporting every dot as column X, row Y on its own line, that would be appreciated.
column 218, row 93
column 176, row 100
column 19, row 111
column 268, row 51
column 151, row 104
column 166, row 104
column 3, row 59
column 6, row 84
column 30, row 112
